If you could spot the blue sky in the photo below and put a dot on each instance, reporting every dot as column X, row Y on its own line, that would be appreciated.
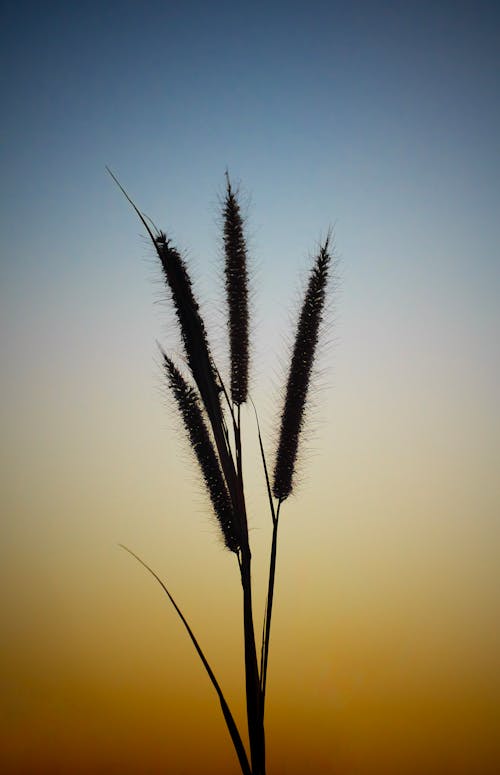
column 331, row 110
column 381, row 119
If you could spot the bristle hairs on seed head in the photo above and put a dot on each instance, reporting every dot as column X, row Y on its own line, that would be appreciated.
column 193, row 332
column 236, row 278
column 192, row 327
column 299, row 375
column 189, row 408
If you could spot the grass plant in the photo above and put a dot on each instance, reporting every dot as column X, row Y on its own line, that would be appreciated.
column 210, row 414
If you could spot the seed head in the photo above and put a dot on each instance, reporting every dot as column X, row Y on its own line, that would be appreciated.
column 189, row 407
column 236, row 294
column 299, row 376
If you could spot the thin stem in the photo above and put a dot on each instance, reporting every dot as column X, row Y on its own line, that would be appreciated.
column 266, row 625
column 237, row 441
column 252, row 678
column 269, row 608
column 252, row 681
column 263, row 456
column 226, row 396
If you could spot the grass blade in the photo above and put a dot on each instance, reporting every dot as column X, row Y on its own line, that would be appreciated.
column 230, row 722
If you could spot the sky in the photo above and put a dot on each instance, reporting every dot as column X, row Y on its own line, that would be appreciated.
column 380, row 120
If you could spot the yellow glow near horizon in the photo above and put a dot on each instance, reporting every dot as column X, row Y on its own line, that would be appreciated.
column 384, row 649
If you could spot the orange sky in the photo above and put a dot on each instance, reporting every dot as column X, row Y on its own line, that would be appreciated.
column 385, row 643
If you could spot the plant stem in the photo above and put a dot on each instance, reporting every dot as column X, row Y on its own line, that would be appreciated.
column 252, row 681
column 269, row 608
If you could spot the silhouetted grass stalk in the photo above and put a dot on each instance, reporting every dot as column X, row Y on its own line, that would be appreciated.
column 220, row 462
column 299, row 375
column 237, row 294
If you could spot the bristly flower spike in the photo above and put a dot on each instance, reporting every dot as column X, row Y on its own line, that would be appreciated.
column 193, row 333
column 188, row 404
column 195, row 341
column 236, row 293
column 292, row 417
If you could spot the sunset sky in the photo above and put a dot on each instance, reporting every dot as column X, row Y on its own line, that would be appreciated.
column 381, row 120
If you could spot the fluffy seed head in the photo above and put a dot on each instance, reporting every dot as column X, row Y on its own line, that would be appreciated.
column 306, row 339
column 188, row 404
column 236, row 294
column 192, row 327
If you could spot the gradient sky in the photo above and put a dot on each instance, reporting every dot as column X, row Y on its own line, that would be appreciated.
column 379, row 119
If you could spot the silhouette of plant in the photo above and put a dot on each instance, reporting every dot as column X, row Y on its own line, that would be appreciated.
column 211, row 417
